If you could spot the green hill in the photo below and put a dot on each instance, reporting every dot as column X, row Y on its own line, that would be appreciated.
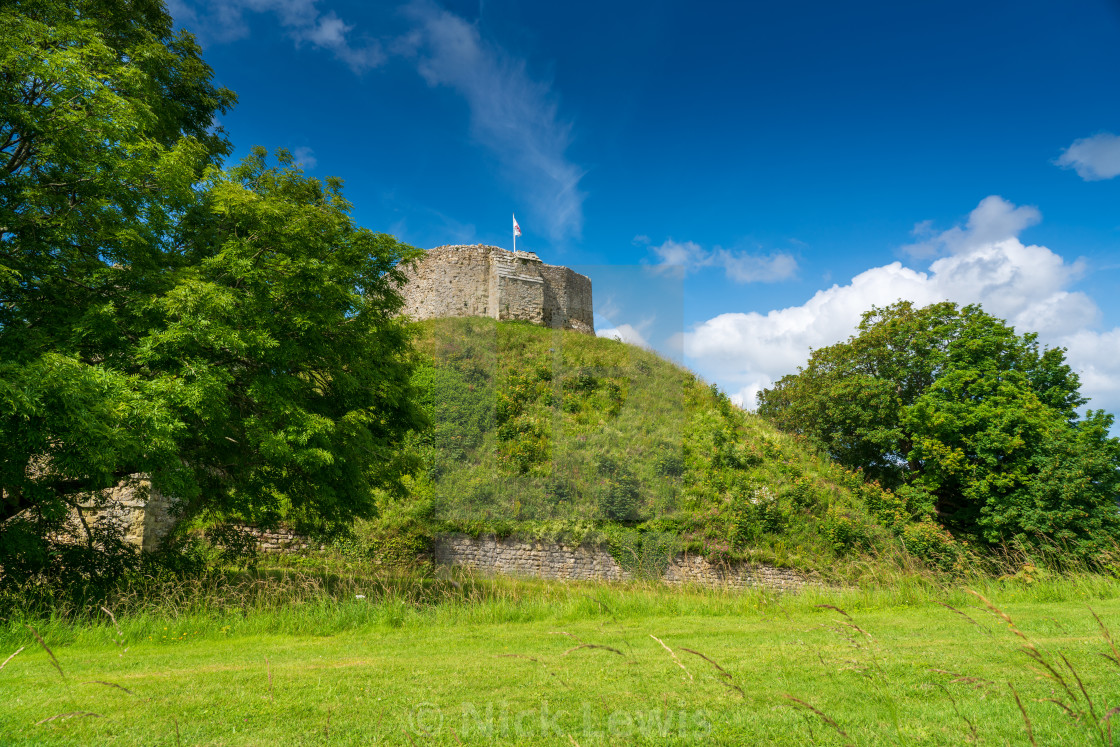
column 539, row 432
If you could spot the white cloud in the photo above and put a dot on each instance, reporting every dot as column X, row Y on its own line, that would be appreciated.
column 513, row 115
column 677, row 256
column 684, row 257
column 994, row 220
column 1093, row 158
column 626, row 333
column 756, row 268
column 1096, row 358
column 305, row 157
column 223, row 21
column 984, row 262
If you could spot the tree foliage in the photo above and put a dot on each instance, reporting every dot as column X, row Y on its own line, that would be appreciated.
column 232, row 333
column 969, row 420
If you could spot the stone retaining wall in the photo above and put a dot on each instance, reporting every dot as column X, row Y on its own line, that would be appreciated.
column 516, row 557
column 279, row 540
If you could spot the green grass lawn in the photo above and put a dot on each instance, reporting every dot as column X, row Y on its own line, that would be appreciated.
column 532, row 663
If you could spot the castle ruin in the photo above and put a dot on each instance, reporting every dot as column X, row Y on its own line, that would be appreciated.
column 490, row 281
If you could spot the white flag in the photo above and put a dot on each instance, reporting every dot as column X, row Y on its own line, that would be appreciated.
column 516, row 228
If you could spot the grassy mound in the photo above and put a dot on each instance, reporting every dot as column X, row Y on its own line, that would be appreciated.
column 541, row 432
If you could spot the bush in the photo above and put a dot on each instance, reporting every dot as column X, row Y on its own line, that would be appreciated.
column 756, row 512
column 583, row 381
column 803, row 494
column 669, row 462
column 460, row 410
column 619, row 497
column 643, row 555
column 524, row 443
column 73, row 570
column 933, row 544
column 846, row 533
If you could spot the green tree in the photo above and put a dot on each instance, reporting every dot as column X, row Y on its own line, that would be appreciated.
column 967, row 419
column 231, row 333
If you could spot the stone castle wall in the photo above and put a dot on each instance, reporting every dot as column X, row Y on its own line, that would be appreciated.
column 514, row 557
column 144, row 514
column 147, row 517
column 489, row 281
column 449, row 281
column 516, row 287
column 279, row 540
column 567, row 300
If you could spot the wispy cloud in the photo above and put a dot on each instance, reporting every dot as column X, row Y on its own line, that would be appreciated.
column 512, row 115
column 305, row 157
column 684, row 257
column 1093, row 158
column 223, row 21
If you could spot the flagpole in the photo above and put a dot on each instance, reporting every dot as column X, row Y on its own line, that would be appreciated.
column 515, row 236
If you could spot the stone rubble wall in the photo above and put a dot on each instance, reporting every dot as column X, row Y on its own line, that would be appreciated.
column 694, row 569
column 521, row 558
column 146, row 515
column 279, row 540
column 567, row 300
column 449, row 281
column 452, row 281
column 516, row 287
column 515, row 557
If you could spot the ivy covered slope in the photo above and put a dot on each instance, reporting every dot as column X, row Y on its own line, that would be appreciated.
column 542, row 432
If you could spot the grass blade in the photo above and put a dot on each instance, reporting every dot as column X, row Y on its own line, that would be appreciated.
column 823, row 717
column 21, row 648
column 46, row 648
column 71, row 714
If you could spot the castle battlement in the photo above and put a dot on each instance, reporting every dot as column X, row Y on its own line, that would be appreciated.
column 481, row 280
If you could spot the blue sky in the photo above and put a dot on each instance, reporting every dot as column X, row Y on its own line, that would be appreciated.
column 739, row 179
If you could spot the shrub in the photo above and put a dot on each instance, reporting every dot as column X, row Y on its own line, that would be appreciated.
column 669, row 461
column 846, row 533
column 583, row 381
column 803, row 494
column 460, row 410
column 524, row 443
column 932, row 543
column 619, row 496
column 756, row 511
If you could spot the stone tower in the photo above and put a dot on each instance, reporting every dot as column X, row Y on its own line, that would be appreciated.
column 489, row 281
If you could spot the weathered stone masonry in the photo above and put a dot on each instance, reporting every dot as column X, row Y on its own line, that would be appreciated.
column 489, row 281
column 145, row 515
column 516, row 557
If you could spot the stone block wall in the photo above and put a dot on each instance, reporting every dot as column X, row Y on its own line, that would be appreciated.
column 517, row 557
column 567, row 300
column 145, row 514
column 279, row 540
column 521, row 558
column 490, row 281
column 449, row 281
column 516, row 287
